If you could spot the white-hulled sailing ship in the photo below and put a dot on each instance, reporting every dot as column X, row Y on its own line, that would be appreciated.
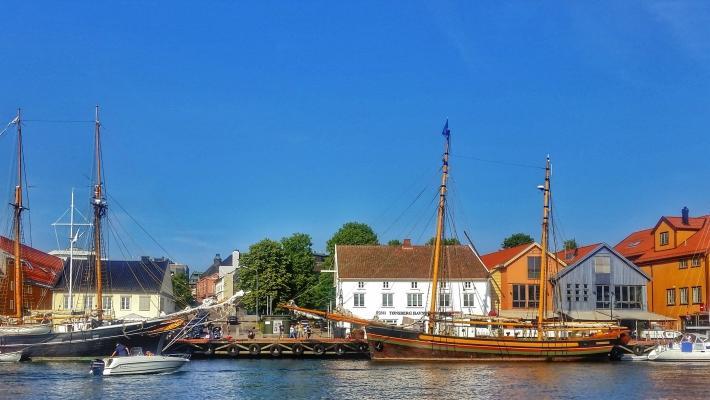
column 551, row 341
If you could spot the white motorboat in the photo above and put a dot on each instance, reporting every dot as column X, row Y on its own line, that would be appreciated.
column 693, row 347
column 14, row 356
column 138, row 363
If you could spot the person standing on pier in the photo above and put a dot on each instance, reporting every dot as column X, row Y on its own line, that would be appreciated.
column 281, row 330
column 292, row 332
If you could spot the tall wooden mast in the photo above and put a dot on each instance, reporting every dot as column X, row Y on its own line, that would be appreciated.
column 439, row 231
column 542, row 296
column 99, row 205
column 17, row 222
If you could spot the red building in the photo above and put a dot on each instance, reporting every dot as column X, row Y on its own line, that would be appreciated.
column 41, row 271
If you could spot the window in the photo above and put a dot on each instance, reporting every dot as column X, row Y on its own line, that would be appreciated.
column 602, row 264
column 469, row 300
column 414, row 300
column 534, row 267
column 144, row 303
column 628, row 296
column 695, row 262
column 525, row 296
column 670, row 297
column 88, row 302
column 664, row 238
column 107, row 302
column 387, row 299
column 414, row 285
column 683, row 263
column 697, row 295
column 125, row 303
column 603, row 296
column 359, row 300
column 361, row 285
column 12, row 286
column 28, row 289
column 467, row 285
column 684, row 295
column 385, row 285
column 66, row 302
column 12, row 304
column 444, row 300
column 444, row 285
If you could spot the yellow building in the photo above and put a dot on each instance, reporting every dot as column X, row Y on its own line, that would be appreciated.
column 134, row 289
column 674, row 253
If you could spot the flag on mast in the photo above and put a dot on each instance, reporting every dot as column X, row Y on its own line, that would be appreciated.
column 446, row 132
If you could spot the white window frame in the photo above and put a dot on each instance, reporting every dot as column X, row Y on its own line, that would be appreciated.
column 601, row 268
column 415, row 300
column 388, row 299
column 361, row 285
column 467, row 285
column 107, row 302
column 414, row 285
column 385, row 285
column 469, row 300
column 141, row 304
column 65, row 302
column 444, row 299
column 359, row 300
column 125, row 303
column 88, row 302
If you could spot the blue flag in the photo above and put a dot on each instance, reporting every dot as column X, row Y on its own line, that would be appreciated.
column 446, row 132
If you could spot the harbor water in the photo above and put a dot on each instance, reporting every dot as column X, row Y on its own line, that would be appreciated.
column 359, row 379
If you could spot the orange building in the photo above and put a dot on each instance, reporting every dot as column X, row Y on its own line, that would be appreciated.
column 674, row 253
column 515, row 279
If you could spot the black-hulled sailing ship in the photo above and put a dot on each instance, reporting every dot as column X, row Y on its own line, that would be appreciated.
column 92, row 335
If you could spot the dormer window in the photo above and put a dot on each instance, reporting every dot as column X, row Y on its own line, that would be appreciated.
column 385, row 285
column 664, row 238
column 467, row 285
column 361, row 285
column 414, row 285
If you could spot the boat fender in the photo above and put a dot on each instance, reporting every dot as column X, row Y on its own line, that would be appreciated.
column 362, row 347
column 340, row 349
column 210, row 350
column 233, row 351
column 275, row 350
column 319, row 349
column 254, row 349
column 615, row 354
column 297, row 349
column 638, row 350
column 379, row 346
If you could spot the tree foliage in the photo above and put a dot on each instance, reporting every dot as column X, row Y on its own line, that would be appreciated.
column 300, row 262
column 265, row 274
column 517, row 239
column 570, row 244
column 445, row 242
column 181, row 290
column 394, row 242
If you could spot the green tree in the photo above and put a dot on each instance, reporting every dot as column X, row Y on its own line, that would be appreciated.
column 445, row 242
column 300, row 263
column 517, row 239
column 352, row 233
column 181, row 290
column 394, row 242
column 265, row 274
column 570, row 244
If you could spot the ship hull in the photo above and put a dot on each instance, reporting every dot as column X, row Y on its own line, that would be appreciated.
column 395, row 344
column 96, row 342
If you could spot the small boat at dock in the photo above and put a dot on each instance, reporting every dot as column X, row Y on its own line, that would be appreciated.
column 692, row 348
column 14, row 356
column 138, row 363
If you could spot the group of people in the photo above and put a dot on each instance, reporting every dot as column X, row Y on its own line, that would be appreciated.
column 297, row 331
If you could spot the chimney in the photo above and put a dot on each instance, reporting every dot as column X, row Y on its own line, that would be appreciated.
column 685, row 213
column 217, row 259
column 407, row 244
column 235, row 259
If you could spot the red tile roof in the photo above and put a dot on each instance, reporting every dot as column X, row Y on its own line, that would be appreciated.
column 396, row 262
column 492, row 260
column 641, row 247
column 38, row 267
column 572, row 256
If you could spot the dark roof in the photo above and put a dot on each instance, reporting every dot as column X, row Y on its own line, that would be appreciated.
column 118, row 276
column 398, row 262
column 38, row 267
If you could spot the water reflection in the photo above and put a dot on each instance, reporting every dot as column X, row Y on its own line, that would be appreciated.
column 326, row 379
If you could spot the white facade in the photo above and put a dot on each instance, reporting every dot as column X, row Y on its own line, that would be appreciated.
column 391, row 301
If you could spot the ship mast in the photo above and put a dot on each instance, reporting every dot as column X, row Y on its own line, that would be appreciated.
column 99, row 205
column 17, row 222
column 542, row 297
column 439, row 230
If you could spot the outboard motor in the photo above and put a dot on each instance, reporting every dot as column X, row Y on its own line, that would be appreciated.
column 97, row 367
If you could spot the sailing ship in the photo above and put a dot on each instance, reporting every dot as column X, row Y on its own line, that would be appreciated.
column 552, row 341
column 92, row 335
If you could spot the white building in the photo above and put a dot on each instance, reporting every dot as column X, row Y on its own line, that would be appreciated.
column 393, row 282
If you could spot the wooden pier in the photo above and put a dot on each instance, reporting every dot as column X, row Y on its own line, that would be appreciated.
column 274, row 347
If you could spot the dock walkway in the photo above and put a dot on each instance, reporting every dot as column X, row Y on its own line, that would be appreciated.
column 275, row 347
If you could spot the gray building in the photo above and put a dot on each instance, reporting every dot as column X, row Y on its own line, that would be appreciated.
column 603, row 285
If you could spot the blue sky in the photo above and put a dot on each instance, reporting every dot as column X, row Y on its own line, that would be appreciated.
column 226, row 123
